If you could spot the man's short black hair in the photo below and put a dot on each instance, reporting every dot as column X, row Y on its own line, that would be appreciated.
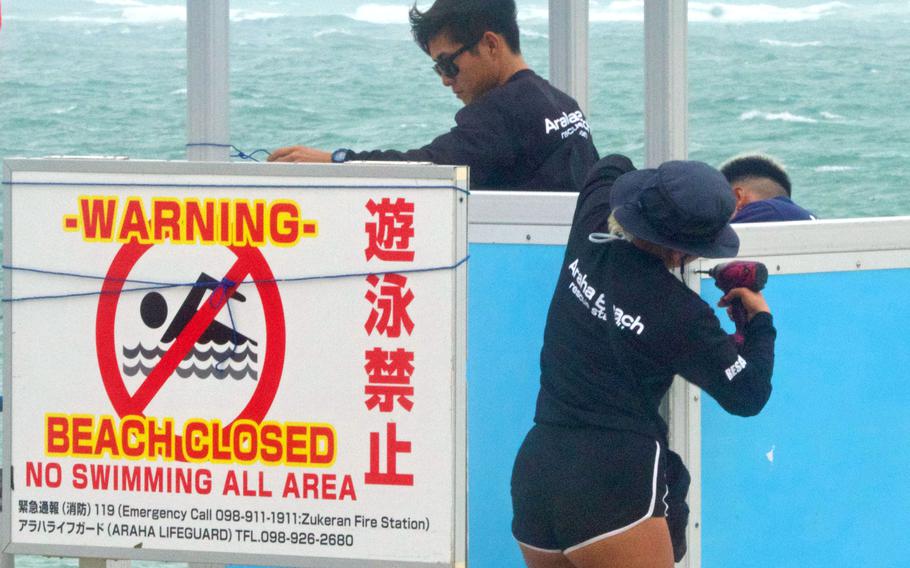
column 465, row 22
column 756, row 166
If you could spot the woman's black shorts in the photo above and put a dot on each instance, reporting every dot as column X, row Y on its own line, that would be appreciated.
column 575, row 486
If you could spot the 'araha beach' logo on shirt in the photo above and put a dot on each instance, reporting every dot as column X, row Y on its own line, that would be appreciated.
column 626, row 321
column 569, row 124
column 585, row 292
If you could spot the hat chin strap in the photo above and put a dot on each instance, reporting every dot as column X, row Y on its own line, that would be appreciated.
column 600, row 238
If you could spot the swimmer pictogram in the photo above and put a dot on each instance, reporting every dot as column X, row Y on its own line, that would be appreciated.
column 190, row 330
column 221, row 351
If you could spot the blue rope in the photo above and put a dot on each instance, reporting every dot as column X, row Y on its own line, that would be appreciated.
column 239, row 153
column 153, row 285
column 251, row 156
column 223, row 286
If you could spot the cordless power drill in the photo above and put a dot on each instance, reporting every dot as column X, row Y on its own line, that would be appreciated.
column 739, row 274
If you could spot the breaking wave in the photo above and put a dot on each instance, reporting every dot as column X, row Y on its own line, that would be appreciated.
column 533, row 34
column 826, row 169
column 760, row 13
column 137, row 13
column 118, row 2
column 780, row 43
column 774, row 116
column 382, row 13
column 332, row 31
column 720, row 12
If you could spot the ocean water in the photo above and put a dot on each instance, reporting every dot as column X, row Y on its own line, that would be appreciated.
column 820, row 85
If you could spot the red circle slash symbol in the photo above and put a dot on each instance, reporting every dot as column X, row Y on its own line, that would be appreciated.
column 249, row 262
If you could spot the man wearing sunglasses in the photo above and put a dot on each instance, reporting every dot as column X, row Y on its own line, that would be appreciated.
column 516, row 131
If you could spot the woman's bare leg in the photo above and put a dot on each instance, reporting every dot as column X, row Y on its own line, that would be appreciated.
column 541, row 559
column 646, row 545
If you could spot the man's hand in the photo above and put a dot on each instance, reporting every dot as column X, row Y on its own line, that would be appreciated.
column 299, row 154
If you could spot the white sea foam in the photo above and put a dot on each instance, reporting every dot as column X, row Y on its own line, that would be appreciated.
column 721, row 12
column 332, row 31
column 253, row 16
column 830, row 115
column 138, row 13
column 84, row 20
column 532, row 33
column 782, row 116
column 826, row 169
column 118, row 2
column 148, row 14
column 64, row 110
column 382, row 13
column 178, row 91
column 780, row 43
column 533, row 13
column 759, row 13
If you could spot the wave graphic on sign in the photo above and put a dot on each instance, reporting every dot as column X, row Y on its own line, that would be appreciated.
column 199, row 373
column 244, row 352
column 205, row 361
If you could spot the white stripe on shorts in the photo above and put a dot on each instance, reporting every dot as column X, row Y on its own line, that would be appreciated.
column 629, row 526
column 529, row 547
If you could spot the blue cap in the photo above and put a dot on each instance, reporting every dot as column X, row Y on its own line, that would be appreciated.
column 682, row 205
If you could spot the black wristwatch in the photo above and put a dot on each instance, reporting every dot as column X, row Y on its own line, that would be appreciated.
column 340, row 155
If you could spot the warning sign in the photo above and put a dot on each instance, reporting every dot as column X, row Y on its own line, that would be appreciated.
column 235, row 367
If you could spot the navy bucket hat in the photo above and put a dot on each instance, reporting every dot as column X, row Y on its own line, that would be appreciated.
column 682, row 205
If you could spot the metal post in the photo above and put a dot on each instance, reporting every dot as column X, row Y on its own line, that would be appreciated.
column 683, row 404
column 569, row 48
column 103, row 563
column 666, row 90
column 207, row 92
column 666, row 138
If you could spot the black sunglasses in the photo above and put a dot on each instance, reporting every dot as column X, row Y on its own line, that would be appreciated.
column 445, row 64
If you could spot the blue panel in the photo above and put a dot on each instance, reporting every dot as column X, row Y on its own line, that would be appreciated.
column 838, row 424
column 509, row 291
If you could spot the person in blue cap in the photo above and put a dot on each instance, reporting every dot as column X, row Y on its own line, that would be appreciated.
column 762, row 190
column 594, row 484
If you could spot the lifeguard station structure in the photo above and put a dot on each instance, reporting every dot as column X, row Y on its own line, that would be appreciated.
column 812, row 481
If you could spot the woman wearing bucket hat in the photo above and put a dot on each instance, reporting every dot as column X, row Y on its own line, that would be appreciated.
column 594, row 484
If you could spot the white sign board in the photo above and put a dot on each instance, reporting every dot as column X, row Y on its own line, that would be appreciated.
column 235, row 363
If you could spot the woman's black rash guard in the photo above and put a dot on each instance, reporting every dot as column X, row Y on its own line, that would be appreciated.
column 620, row 326
column 525, row 135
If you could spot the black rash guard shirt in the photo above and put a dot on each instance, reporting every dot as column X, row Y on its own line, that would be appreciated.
column 620, row 326
column 524, row 135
